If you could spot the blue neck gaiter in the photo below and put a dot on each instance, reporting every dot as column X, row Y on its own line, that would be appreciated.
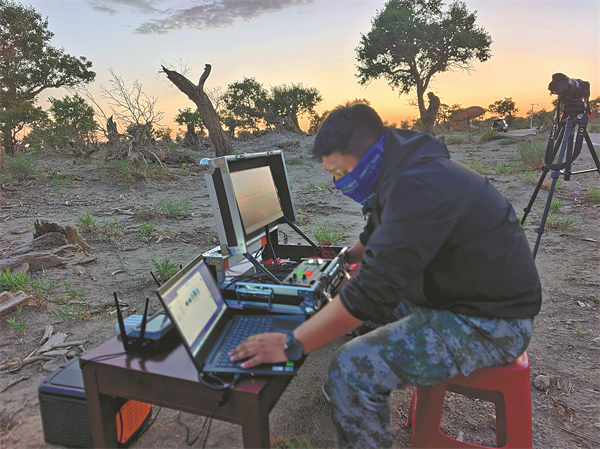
column 359, row 184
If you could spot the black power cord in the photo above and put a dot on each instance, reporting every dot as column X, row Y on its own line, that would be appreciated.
column 225, row 395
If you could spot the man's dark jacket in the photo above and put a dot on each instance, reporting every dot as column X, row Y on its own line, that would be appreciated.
column 439, row 235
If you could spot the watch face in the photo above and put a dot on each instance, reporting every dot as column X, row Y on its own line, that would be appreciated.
column 294, row 351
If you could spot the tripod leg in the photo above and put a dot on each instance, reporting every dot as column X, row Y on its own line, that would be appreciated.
column 535, row 192
column 592, row 150
column 555, row 175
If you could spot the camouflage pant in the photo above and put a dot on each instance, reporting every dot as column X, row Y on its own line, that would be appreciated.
column 424, row 347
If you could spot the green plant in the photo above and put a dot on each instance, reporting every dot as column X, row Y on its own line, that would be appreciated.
column 13, row 282
column 208, row 239
column 454, row 139
column 74, row 308
column 324, row 187
column 326, row 235
column 506, row 141
column 122, row 168
column 169, row 208
column 102, row 175
column 593, row 128
column 110, row 229
column 532, row 153
column 87, row 223
column 293, row 161
column 477, row 166
column 571, row 221
column 529, row 177
column 502, row 169
column 555, row 205
column 30, row 225
column 310, row 185
column 165, row 269
column 489, row 134
column 142, row 279
column 146, row 229
column 16, row 323
column 185, row 170
column 289, row 444
column 593, row 194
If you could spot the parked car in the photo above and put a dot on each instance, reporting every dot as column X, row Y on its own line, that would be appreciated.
column 499, row 125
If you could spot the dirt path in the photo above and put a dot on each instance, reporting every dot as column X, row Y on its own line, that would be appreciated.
column 565, row 347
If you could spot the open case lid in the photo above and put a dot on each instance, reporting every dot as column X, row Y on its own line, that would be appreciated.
column 248, row 194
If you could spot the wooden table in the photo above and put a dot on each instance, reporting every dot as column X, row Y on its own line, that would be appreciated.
column 171, row 380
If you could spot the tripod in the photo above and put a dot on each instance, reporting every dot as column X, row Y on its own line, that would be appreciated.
column 575, row 113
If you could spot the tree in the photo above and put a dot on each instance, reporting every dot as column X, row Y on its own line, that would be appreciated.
column 411, row 41
column 205, row 108
column 132, row 108
column 30, row 65
column 504, row 109
column 194, row 126
column 15, row 119
column 445, row 112
column 294, row 101
column 73, row 122
column 246, row 102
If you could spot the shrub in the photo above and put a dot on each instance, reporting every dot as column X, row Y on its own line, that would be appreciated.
column 488, row 135
column 454, row 140
column 326, row 235
column 477, row 166
column 21, row 165
column 532, row 153
column 593, row 194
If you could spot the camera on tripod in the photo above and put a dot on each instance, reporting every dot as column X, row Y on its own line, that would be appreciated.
column 567, row 88
column 568, row 133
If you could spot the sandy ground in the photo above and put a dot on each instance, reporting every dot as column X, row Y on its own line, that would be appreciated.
column 565, row 346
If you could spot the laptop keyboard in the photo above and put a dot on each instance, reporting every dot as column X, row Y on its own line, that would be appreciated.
column 242, row 329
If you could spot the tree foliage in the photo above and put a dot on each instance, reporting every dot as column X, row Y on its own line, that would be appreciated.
column 444, row 114
column 251, row 106
column 30, row 65
column 294, row 101
column 246, row 102
column 411, row 41
column 70, row 124
column 505, row 108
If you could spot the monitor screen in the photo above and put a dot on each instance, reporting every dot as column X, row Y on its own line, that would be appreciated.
column 196, row 305
column 256, row 197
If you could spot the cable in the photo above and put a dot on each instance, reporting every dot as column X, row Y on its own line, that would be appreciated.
column 150, row 424
column 225, row 394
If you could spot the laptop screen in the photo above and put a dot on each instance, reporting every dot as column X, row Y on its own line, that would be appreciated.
column 256, row 197
column 196, row 304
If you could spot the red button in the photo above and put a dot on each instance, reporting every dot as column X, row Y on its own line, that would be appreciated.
column 308, row 273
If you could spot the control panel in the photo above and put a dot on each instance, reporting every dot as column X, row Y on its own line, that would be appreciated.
column 306, row 272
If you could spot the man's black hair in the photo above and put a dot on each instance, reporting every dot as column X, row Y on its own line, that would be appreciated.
column 342, row 125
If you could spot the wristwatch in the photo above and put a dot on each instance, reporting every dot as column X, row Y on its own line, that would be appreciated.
column 293, row 349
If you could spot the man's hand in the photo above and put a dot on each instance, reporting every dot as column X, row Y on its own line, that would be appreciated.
column 260, row 348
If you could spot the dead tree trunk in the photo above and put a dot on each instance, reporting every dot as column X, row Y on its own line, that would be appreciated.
column 431, row 113
column 205, row 108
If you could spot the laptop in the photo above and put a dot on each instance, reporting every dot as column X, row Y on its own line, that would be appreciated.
column 209, row 329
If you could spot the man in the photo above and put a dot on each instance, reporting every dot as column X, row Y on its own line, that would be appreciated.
column 444, row 258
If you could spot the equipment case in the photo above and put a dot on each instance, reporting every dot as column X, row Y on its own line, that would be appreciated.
column 250, row 199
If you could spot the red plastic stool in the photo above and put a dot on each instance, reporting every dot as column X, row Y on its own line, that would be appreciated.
column 507, row 386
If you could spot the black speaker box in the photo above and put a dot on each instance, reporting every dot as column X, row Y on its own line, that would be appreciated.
column 63, row 408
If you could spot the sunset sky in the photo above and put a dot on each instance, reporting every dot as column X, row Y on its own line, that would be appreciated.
column 313, row 42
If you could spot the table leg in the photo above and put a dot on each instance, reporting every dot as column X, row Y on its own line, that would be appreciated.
column 255, row 429
column 101, row 412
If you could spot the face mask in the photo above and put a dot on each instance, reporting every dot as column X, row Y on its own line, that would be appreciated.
column 359, row 183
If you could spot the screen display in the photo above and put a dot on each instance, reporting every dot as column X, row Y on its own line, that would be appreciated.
column 196, row 305
column 256, row 197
